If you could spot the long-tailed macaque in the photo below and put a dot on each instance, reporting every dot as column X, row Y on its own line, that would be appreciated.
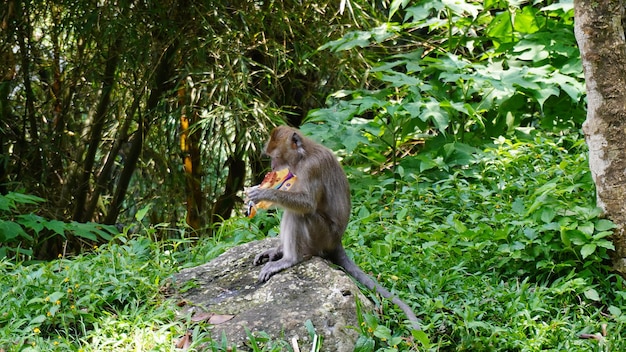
column 316, row 210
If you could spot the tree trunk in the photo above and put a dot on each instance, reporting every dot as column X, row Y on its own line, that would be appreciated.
column 600, row 35
column 24, row 33
column 163, row 83
column 96, row 130
column 192, row 162
column 223, row 207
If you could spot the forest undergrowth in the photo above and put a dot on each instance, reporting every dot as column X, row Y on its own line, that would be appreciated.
column 504, row 251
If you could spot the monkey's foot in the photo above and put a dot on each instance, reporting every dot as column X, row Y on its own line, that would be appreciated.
column 274, row 267
column 271, row 255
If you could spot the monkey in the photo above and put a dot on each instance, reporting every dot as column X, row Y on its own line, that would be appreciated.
column 316, row 210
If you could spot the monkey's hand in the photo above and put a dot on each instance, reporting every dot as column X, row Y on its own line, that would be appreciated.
column 254, row 194
column 262, row 196
column 270, row 254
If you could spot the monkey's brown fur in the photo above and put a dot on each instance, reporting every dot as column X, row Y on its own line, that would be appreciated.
column 316, row 210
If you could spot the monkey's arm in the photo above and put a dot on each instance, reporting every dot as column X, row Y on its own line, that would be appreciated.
column 296, row 201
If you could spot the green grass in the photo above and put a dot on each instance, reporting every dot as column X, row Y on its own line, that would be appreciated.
column 505, row 253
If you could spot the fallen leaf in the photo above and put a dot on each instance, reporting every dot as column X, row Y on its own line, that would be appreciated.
column 201, row 316
column 217, row 319
column 185, row 341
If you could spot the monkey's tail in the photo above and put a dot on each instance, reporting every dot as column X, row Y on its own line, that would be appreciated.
column 340, row 257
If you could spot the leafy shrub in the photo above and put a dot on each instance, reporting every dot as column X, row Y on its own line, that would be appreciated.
column 21, row 229
column 463, row 71
column 504, row 252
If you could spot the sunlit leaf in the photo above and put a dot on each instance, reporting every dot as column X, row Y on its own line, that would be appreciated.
column 588, row 250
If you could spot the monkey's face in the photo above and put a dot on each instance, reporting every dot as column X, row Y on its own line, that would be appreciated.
column 276, row 156
column 281, row 148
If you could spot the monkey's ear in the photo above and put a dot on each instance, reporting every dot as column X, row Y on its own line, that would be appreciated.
column 296, row 142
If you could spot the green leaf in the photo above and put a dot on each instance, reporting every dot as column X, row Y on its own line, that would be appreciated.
column 421, row 336
column 422, row 11
column 501, row 28
column 310, row 328
column 604, row 225
column 518, row 206
column 364, row 344
column 433, row 112
column 55, row 296
column 381, row 249
column 38, row 320
column 573, row 87
column 90, row 230
column 615, row 311
column 5, row 203
column 10, row 230
column 463, row 7
column 24, row 198
column 398, row 79
column 395, row 5
column 592, row 294
column 382, row 332
column 353, row 39
column 32, row 221
column 526, row 20
column 141, row 213
column 547, row 214
column 605, row 244
column 588, row 250
column 531, row 51
column 57, row 226
column 587, row 228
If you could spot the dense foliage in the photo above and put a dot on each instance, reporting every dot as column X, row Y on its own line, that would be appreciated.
column 457, row 123
column 506, row 253
column 108, row 106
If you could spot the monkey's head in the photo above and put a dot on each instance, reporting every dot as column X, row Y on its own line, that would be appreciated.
column 285, row 148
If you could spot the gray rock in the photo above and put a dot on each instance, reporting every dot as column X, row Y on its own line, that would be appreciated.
column 312, row 290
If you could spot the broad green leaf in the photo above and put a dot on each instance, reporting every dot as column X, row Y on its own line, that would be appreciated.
column 421, row 336
column 57, row 226
column 55, row 296
column 381, row 249
column 592, row 294
column 518, row 206
column 382, row 332
column 587, row 250
column 38, row 320
column 364, row 344
column 526, row 21
column 573, row 87
column 433, row 112
column 398, row 79
column 395, row 5
column 548, row 214
column 422, row 11
column 605, row 244
column 501, row 28
column 564, row 6
column 463, row 7
column 604, row 225
column 24, row 198
column 10, row 230
column 587, row 228
column 32, row 221
column 359, row 39
column 615, row 311
column 5, row 203
column 531, row 51
column 141, row 213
